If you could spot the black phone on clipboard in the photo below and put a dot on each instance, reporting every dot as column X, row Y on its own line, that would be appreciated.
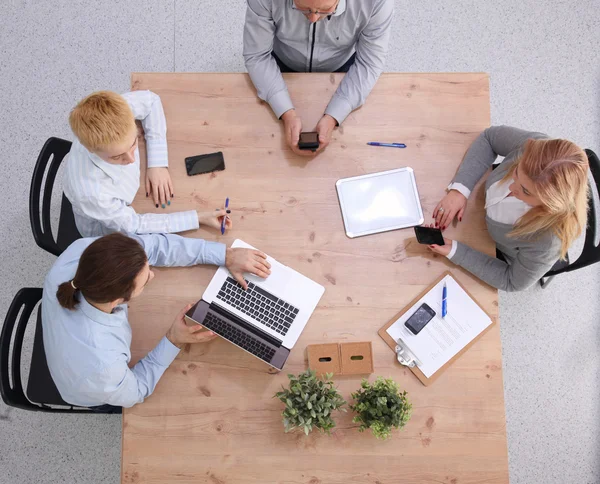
column 420, row 318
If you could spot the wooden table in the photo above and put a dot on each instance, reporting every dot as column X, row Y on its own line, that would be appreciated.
column 212, row 417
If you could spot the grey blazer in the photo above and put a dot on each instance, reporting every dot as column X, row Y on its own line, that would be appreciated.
column 528, row 259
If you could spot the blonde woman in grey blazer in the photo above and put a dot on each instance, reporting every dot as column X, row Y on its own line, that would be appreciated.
column 536, row 204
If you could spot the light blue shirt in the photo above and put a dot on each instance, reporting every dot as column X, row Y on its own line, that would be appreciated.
column 88, row 350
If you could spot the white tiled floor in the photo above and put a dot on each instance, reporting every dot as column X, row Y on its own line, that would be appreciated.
column 545, row 75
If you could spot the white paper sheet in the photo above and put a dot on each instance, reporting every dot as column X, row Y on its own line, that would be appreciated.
column 441, row 339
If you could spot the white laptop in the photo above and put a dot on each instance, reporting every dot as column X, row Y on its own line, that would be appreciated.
column 267, row 319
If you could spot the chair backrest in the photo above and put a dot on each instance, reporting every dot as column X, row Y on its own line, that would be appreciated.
column 52, row 154
column 591, row 249
column 11, row 387
column 10, row 365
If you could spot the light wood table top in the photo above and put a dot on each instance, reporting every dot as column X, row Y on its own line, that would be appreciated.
column 212, row 417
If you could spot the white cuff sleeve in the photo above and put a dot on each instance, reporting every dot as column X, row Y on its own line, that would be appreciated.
column 452, row 250
column 459, row 187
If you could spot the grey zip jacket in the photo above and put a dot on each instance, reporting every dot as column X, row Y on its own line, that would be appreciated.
column 361, row 26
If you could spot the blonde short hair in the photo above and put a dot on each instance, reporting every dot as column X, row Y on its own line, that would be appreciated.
column 102, row 119
column 558, row 170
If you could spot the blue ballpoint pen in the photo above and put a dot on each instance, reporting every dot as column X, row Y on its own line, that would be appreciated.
column 225, row 217
column 444, row 303
column 390, row 145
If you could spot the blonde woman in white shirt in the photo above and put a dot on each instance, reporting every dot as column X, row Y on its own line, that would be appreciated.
column 536, row 205
column 102, row 174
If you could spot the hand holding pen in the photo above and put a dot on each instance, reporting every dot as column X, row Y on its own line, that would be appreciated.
column 218, row 219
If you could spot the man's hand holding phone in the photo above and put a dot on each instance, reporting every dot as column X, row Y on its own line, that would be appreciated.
column 292, row 126
column 325, row 129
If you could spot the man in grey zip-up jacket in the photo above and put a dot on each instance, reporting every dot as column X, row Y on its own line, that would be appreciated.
column 316, row 36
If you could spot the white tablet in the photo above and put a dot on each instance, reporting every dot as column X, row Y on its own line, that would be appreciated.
column 379, row 202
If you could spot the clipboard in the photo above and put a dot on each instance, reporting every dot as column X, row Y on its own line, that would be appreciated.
column 398, row 346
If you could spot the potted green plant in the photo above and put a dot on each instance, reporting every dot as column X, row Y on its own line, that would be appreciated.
column 381, row 406
column 310, row 402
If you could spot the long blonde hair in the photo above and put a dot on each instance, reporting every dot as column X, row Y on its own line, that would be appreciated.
column 558, row 170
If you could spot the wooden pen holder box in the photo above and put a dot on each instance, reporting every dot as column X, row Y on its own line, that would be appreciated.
column 341, row 358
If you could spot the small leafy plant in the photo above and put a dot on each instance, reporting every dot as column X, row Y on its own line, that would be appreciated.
column 309, row 402
column 381, row 406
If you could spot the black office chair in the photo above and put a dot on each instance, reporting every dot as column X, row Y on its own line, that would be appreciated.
column 41, row 390
column 591, row 249
column 52, row 154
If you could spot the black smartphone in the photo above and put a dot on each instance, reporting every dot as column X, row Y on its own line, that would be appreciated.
column 429, row 235
column 420, row 318
column 196, row 165
column 309, row 141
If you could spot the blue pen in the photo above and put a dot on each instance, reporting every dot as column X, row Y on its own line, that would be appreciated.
column 225, row 217
column 390, row 145
column 444, row 303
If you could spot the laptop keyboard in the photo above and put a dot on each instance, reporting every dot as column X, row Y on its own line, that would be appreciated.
column 238, row 337
column 259, row 304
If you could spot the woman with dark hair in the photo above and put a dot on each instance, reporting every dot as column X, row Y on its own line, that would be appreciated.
column 84, row 312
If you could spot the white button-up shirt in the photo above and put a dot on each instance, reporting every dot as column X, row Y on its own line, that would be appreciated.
column 101, row 193
column 88, row 350
column 500, row 206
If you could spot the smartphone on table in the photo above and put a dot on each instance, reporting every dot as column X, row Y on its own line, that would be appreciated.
column 420, row 318
column 429, row 235
column 199, row 164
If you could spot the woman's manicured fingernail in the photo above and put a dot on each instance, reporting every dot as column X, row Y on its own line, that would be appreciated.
column 228, row 211
column 460, row 219
column 163, row 205
column 146, row 194
column 157, row 205
column 172, row 195
column 169, row 202
column 444, row 227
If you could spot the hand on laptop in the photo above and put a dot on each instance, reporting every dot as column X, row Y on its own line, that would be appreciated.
column 180, row 333
column 253, row 261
